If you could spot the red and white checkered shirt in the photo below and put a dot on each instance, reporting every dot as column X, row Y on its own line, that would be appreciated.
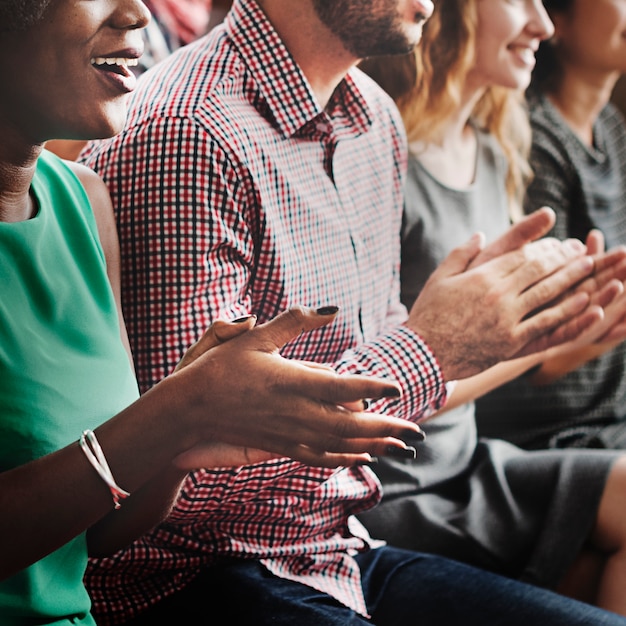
column 236, row 193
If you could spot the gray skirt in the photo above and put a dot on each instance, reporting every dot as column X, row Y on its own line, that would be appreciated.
column 521, row 514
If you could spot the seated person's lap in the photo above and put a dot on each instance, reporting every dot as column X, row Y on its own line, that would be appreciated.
column 401, row 587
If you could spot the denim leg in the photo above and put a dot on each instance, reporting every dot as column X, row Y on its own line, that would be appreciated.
column 244, row 593
column 403, row 587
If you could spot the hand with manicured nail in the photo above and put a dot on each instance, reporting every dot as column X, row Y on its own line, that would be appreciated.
column 288, row 408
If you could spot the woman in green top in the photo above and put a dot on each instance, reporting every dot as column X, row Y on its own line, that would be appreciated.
column 65, row 368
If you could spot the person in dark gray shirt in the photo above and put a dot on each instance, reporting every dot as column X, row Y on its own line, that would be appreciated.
column 579, row 162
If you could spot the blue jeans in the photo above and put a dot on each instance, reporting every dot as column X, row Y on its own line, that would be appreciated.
column 401, row 588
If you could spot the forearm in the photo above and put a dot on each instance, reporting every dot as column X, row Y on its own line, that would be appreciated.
column 547, row 368
column 469, row 389
column 150, row 505
column 557, row 367
column 63, row 489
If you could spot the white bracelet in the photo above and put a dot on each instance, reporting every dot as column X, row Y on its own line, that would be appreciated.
column 90, row 446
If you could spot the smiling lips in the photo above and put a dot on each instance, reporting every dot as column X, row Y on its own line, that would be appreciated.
column 525, row 54
column 114, row 62
column 116, row 70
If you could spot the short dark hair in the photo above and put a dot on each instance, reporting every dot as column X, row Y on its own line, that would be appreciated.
column 17, row 15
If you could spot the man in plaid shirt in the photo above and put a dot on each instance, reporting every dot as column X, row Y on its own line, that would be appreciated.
column 259, row 169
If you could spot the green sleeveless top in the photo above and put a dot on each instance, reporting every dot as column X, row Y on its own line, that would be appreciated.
column 63, row 368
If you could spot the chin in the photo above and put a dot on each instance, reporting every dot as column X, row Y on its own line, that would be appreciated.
column 112, row 125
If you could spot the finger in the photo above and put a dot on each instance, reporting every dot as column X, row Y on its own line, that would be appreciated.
column 608, row 266
column 361, row 404
column 607, row 294
column 595, row 242
column 329, row 459
column 553, row 331
column 289, row 324
column 410, row 432
column 365, row 432
column 317, row 366
column 363, row 450
column 529, row 228
column 224, row 331
column 554, row 285
column 616, row 334
column 218, row 332
column 327, row 428
column 333, row 388
column 615, row 319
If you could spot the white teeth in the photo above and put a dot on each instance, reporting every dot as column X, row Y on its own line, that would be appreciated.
column 122, row 62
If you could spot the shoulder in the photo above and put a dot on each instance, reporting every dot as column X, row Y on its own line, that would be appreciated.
column 94, row 186
column 553, row 143
column 612, row 120
column 100, row 202
column 186, row 84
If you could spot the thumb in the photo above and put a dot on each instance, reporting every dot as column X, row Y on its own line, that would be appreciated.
column 461, row 257
column 289, row 324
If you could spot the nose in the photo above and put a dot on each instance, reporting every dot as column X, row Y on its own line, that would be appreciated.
column 540, row 23
column 132, row 14
column 424, row 7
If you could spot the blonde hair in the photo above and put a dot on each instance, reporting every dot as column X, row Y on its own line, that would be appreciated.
column 439, row 67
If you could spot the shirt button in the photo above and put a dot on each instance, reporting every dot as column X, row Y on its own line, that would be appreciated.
column 322, row 127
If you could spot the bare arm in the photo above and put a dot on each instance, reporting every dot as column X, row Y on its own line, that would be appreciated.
column 107, row 231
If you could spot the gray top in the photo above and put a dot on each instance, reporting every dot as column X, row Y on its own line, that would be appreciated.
column 486, row 502
column 437, row 218
column 587, row 188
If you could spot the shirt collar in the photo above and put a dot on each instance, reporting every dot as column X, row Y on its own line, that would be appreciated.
column 284, row 87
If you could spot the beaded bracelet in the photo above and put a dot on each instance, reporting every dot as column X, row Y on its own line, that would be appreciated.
column 90, row 446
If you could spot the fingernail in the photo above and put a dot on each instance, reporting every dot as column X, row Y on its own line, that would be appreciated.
column 392, row 392
column 241, row 320
column 411, row 436
column 401, row 453
column 373, row 461
column 327, row 310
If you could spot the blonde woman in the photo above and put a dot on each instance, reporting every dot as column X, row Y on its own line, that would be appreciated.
column 554, row 517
